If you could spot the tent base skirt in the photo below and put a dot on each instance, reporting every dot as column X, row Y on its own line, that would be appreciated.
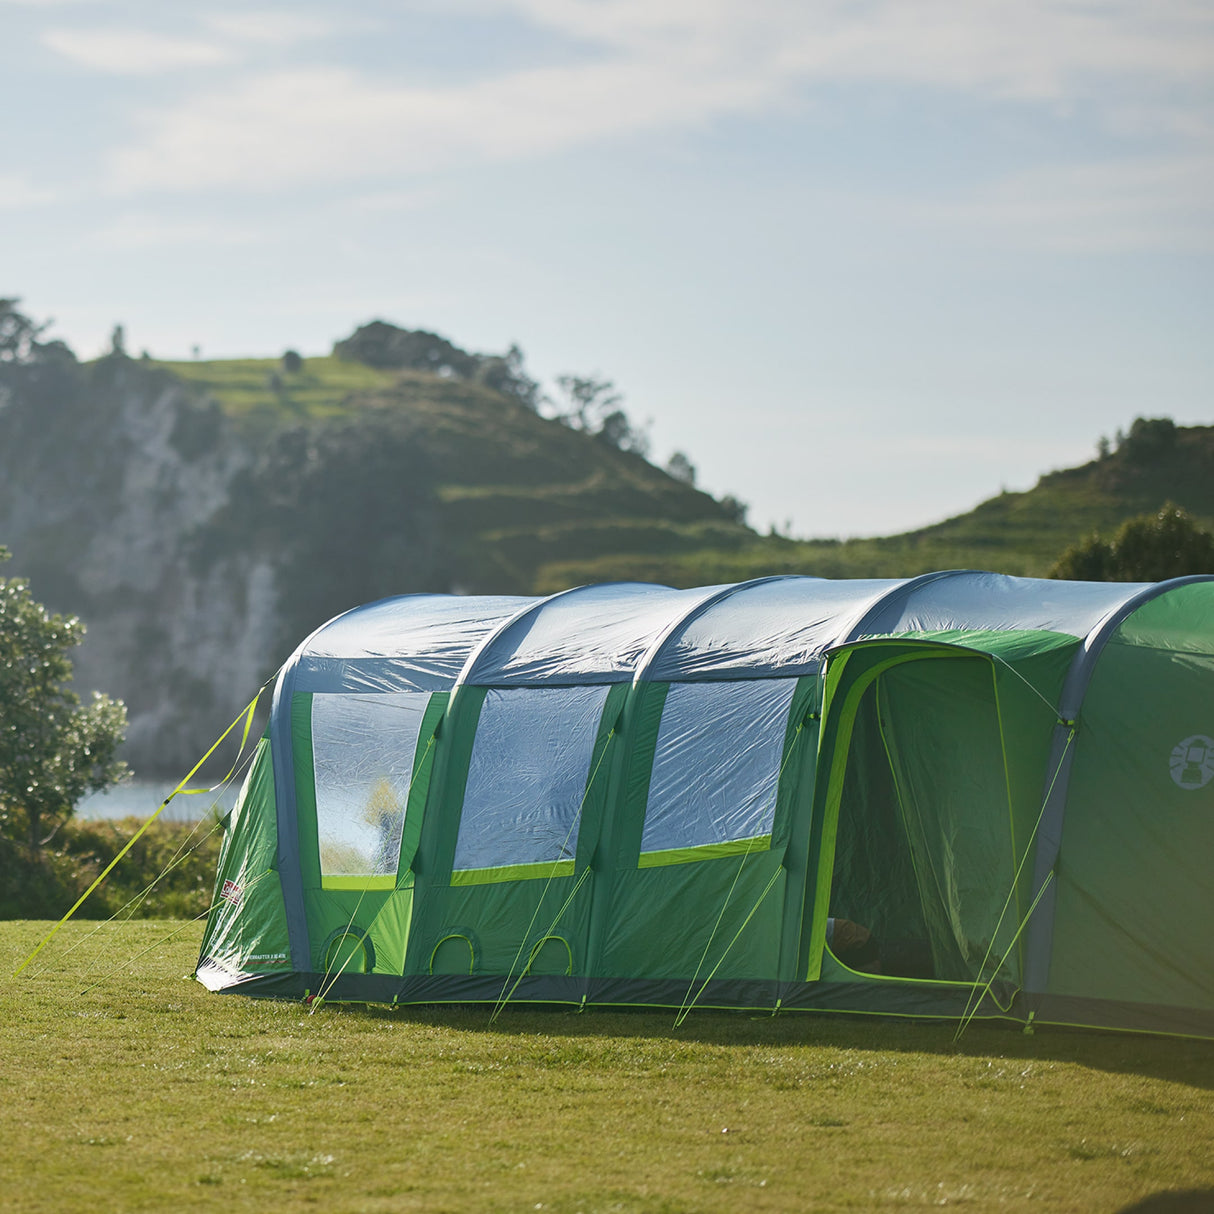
column 916, row 1000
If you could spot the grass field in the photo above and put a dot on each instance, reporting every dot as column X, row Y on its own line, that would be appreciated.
column 146, row 1093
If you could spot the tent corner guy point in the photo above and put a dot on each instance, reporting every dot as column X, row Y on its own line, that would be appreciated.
column 955, row 795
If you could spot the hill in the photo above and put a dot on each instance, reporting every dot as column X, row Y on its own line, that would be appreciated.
column 203, row 517
column 1016, row 533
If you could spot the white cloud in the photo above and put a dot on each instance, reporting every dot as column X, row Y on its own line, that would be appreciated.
column 327, row 123
column 1022, row 47
column 18, row 192
column 1143, row 70
column 147, row 231
column 278, row 28
column 134, row 52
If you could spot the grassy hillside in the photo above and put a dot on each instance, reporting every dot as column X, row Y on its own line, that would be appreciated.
column 511, row 491
column 1017, row 533
column 534, row 505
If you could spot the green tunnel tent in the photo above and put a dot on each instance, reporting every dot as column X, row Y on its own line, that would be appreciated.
column 633, row 795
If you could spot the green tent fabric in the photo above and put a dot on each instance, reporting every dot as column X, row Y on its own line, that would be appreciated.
column 954, row 795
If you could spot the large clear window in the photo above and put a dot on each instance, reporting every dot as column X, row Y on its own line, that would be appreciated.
column 527, row 776
column 716, row 766
column 362, row 759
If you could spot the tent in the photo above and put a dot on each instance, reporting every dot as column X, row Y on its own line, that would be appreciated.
column 952, row 795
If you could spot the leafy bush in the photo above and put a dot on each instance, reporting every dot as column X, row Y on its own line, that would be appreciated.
column 48, row 887
column 1149, row 548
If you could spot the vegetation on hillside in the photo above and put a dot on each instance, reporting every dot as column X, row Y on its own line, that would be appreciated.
column 447, row 474
column 1025, row 534
column 1148, row 548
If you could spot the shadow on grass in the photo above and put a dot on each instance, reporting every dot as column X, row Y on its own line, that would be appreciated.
column 1177, row 1060
column 1173, row 1201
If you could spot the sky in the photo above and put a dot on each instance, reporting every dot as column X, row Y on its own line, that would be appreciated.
column 866, row 262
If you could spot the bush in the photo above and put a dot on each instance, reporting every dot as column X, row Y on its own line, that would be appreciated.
column 1149, row 438
column 1149, row 548
column 48, row 889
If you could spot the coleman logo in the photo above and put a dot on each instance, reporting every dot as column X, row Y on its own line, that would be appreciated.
column 231, row 892
column 1192, row 762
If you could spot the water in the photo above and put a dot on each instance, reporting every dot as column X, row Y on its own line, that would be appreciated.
column 140, row 799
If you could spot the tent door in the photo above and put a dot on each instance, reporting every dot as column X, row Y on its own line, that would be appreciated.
column 924, row 853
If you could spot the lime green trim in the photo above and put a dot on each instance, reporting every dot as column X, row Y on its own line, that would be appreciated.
column 911, row 650
column 455, row 936
column 704, row 851
column 1011, row 828
column 983, row 989
column 512, row 872
column 1007, row 771
column 359, row 882
column 359, row 949
column 307, row 829
column 539, row 944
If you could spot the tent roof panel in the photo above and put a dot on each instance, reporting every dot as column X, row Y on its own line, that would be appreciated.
column 595, row 634
column 772, row 626
column 970, row 599
column 1177, row 619
column 414, row 642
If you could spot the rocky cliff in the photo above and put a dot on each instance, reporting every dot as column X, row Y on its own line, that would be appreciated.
column 201, row 532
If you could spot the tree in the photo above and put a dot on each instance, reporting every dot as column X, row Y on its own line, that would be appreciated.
column 53, row 749
column 587, row 402
column 681, row 468
column 1149, row 438
column 292, row 362
column 1149, row 548
column 19, row 339
column 507, row 373
column 734, row 508
column 595, row 407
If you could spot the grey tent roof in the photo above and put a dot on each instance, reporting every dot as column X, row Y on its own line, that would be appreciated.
column 625, row 630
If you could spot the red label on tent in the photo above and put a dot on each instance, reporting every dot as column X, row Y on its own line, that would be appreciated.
column 231, row 891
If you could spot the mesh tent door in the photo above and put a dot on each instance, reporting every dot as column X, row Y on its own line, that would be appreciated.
column 924, row 839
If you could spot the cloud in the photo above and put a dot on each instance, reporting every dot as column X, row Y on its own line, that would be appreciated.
column 268, row 26
column 1017, row 47
column 17, row 192
column 322, row 124
column 651, row 65
column 134, row 52
column 146, row 231
column 229, row 37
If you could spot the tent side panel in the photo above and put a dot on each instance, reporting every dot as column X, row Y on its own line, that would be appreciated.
column 246, row 932
column 700, row 882
column 1134, row 898
column 504, row 873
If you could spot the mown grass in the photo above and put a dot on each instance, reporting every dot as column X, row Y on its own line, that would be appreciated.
column 143, row 1092
column 248, row 385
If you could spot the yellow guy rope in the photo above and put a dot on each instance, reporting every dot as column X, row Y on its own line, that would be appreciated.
column 184, row 851
column 507, row 990
column 246, row 715
column 979, row 991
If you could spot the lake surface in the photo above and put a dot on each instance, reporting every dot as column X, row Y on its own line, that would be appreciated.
column 140, row 798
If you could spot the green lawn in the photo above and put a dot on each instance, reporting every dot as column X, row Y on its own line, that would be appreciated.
column 247, row 385
column 146, row 1093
